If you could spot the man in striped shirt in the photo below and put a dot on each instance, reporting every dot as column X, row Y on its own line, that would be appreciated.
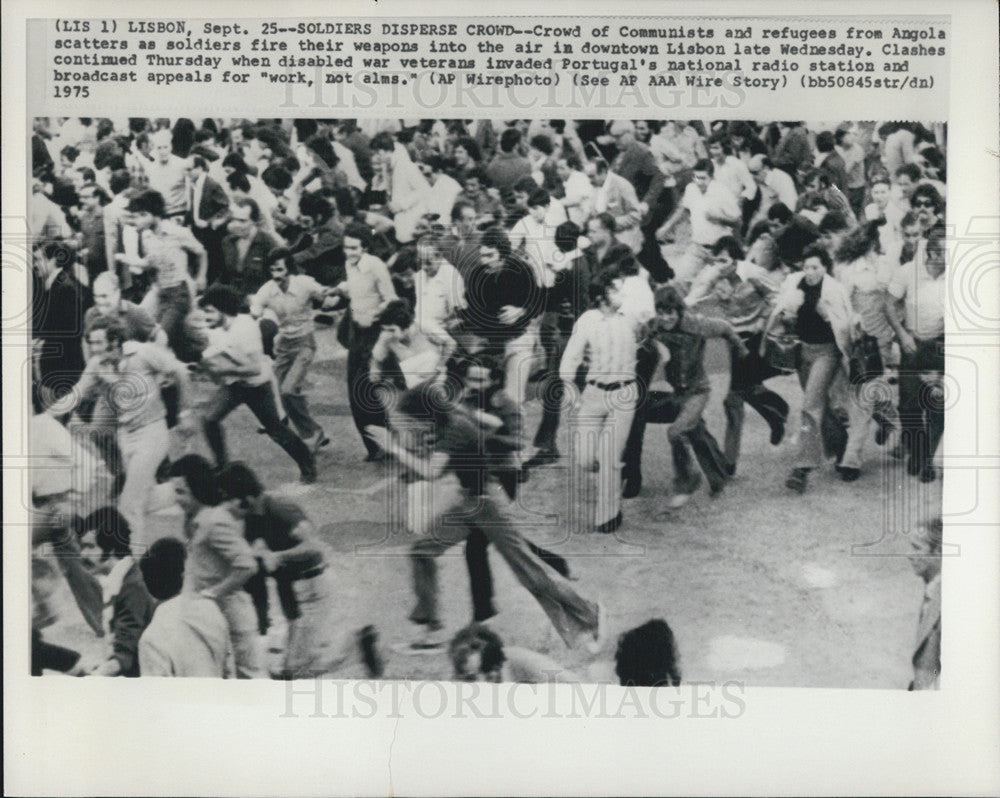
column 607, row 338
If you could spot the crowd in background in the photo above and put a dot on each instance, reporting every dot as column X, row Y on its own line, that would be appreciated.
column 475, row 258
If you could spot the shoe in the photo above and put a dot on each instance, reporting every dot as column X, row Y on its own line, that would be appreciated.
column 610, row 526
column 309, row 476
column 631, row 486
column 370, row 655
column 777, row 432
column 929, row 474
column 885, row 429
column 848, row 474
column 797, row 480
column 730, row 468
column 376, row 456
column 714, row 491
column 542, row 457
column 683, row 494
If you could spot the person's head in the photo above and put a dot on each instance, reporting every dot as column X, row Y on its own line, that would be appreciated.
column 605, row 291
column 316, row 208
column 220, row 300
column 466, row 152
column 244, row 216
column 195, row 483
column 601, row 229
column 702, row 174
column 476, row 654
column 567, row 163
column 540, row 148
column 643, row 131
column 623, row 132
column 859, row 242
column 647, row 656
column 112, row 538
column 760, row 167
column 162, row 142
column 396, row 318
column 357, row 241
column 494, row 248
column 881, row 190
column 146, row 209
column 241, row 489
column 727, row 253
column 927, row 203
column 834, row 227
column 718, row 148
column 281, row 266
column 825, row 141
column 567, row 236
column 480, row 376
column 911, row 230
column 162, row 568
column 53, row 257
column 239, row 184
column 538, row 204
column 845, row 137
column 105, row 338
column 907, row 177
column 779, row 216
column 475, row 181
column 120, row 180
column 92, row 197
column 597, row 172
column 510, row 140
column 815, row 180
column 935, row 254
column 932, row 163
column 234, row 163
column 523, row 189
column 107, row 292
column 463, row 216
column 321, row 151
column 277, row 178
column 816, row 264
column 669, row 305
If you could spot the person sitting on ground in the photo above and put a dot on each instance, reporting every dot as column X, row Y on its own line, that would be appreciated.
column 478, row 655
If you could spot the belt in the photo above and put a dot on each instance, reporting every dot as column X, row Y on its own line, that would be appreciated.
column 610, row 386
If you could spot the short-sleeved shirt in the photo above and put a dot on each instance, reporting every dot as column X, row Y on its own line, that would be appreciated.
column 133, row 384
column 167, row 250
column 216, row 547
column 170, row 179
column 865, row 281
column 275, row 525
column 418, row 357
column 922, row 295
column 138, row 323
column 292, row 307
column 438, row 297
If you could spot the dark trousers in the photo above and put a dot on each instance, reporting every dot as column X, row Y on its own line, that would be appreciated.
column 260, row 400
column 554, row 342
column 645, row 364
column 661, row 407
column 650, row 255
column 921, row 415
column 746, row 376
column 481, row 578
column 174, row 306
column 365, row 406
column 212, row 241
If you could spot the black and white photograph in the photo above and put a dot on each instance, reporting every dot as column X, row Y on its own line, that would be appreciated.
column 306, row 371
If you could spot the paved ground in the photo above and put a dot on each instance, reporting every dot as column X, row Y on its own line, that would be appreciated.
column 759, row 585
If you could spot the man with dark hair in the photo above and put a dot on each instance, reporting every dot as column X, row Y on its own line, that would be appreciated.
column 832, row 164
column 91, row 220
column 792, row 232
column 290, row 298
column 323, row 256
column 208, row 213
column 129, row 374
column 60, row 303
column 128, row 607
column 615, row 196
column 369, row 289
column 166, row 246
column 247, row 249
column 188, row 634
column 418, row 358
column 220, row 560
column 647, row 656
column 509, row 165
column 235, row 360
column 479, row 655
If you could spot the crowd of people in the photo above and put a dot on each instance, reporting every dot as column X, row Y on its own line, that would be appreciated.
column 183, row 269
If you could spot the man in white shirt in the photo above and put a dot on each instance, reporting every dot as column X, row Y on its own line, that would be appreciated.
column 608, row 339
column 167, row 174
column 444, row 188
column 536, row 238
column 714, row 212
column 235, row 360
column 419, row 359
column 776, row 185
column 576, row 187
column 439, row 291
